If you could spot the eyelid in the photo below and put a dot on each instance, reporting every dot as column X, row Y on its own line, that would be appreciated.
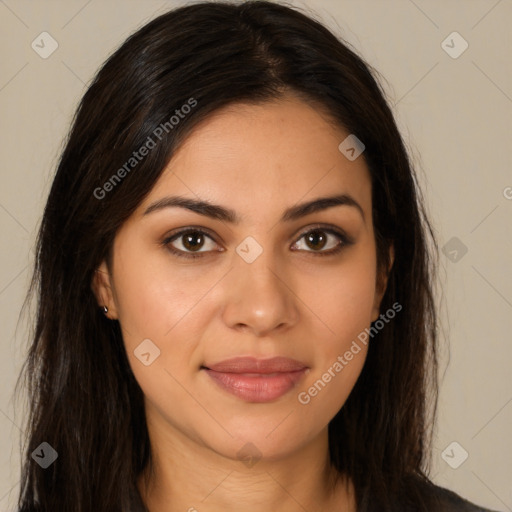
column 345, row 239
column 328, row 228
column 174, row 235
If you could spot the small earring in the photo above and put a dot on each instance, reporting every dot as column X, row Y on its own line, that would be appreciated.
column 105, row 309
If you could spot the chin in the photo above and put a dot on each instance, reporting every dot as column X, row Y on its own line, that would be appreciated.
column 270, row 440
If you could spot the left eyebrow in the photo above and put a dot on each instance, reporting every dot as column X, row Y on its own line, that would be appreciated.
column 321, row 203
column 222, row 213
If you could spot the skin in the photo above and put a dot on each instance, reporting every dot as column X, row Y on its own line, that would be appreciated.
column 258, row 161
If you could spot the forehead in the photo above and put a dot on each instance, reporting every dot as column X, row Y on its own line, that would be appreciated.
column 269, row 155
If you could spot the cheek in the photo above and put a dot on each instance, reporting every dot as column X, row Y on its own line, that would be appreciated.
column 344, row 299
column 154, row 297
column 344, row 305
column 166, row 306
column 162, row 306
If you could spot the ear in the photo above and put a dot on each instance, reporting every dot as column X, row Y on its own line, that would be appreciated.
column 381, row 284
column 102, row 287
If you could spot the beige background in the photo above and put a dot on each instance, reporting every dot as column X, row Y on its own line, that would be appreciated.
column 455, row 115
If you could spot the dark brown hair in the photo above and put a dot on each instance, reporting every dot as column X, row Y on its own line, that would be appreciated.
column 84, row 400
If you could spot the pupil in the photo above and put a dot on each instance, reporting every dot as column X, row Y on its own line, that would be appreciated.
column 316, row 237
column 193, row 240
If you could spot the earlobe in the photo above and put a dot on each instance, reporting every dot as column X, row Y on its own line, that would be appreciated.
column 102, row 287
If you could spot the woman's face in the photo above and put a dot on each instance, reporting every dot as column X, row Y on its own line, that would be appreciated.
column 261, row 273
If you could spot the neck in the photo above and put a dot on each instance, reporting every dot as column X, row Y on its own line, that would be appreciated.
column 187, row 476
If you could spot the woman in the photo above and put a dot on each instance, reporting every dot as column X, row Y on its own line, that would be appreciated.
column 234, row 283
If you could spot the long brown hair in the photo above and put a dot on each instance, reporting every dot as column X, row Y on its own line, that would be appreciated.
column 84, row 399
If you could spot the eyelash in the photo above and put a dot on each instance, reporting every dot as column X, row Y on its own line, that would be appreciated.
column 345, row 241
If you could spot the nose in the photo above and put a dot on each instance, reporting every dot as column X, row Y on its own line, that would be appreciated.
column 260, row 296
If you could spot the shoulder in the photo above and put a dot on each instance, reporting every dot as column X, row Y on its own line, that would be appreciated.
column 449, row 501
column 453, row 502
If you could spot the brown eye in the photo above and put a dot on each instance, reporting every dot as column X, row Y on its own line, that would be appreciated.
column 322, row 241
column 316, row 239
column 190, row 243
column 193, row 241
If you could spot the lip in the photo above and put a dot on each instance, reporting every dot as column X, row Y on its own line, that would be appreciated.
column 257, row 380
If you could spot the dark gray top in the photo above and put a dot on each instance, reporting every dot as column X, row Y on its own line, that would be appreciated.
column 449, row 502
column 453, row 502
